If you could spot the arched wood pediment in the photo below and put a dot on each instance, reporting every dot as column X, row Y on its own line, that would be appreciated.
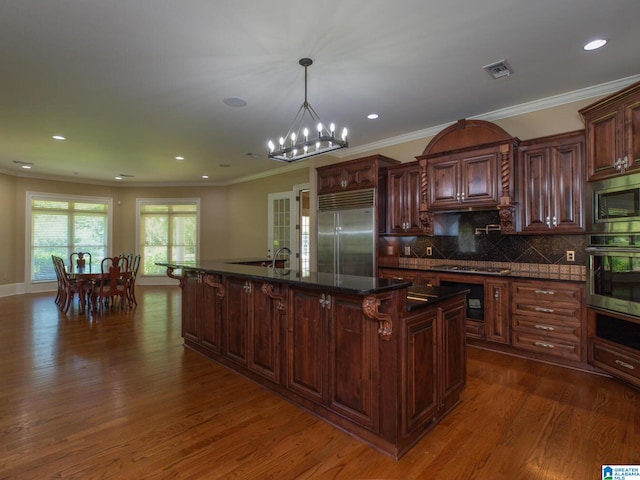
column 466, row 134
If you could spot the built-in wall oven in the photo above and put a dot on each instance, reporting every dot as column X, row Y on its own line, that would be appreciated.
column 613, row 280
column 613, row 244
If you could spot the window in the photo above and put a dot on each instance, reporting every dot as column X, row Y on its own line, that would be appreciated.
column 168, row 233
column 63, row 225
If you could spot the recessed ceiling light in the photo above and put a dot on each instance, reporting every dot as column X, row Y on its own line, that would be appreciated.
column 595, row 44
column 26, row 167
column 235, row 102
column 118, row 178
column 205, row 176
column 179, row 158
column 372, row 116
column 58, row 137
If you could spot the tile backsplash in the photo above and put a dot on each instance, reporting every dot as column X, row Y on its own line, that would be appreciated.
column 470, row 236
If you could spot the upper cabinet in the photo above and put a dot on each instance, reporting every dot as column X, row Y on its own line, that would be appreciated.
column 465, row 179
column 352, row 175
column 403, row 194
column 551, row 184
column 468, row 165
column 613, row 134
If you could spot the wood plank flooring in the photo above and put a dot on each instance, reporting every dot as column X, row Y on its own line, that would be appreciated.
column 118, row 396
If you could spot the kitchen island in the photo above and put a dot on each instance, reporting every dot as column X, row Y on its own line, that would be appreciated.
column 358, row 352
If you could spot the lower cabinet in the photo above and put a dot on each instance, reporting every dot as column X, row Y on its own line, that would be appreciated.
column 614, row 344
column 434, row 347
column 362, row 362
column 332, row 354
column 417, row 277
column 202, row 309
column 252, row 325
column 487, row 310
column 548, row 317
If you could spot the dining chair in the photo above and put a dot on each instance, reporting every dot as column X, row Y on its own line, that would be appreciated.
column 113, row 283
column 67, row 286
column 78, row 262
column 135, row 265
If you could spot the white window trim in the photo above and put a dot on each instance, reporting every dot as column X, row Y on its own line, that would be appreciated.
column 36, row 287
column 155, row 280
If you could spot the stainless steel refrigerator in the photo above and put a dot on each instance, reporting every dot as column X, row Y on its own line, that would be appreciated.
column 346, row 233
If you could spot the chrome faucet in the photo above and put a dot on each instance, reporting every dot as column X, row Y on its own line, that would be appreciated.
column 275, row 255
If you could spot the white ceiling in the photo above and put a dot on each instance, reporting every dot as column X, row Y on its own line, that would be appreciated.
column 134, row 83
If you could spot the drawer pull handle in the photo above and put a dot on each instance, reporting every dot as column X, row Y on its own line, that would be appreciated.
column 545, row 327
column 545, row 310
column 625, row 365
column 544, row 345
column 545, row 292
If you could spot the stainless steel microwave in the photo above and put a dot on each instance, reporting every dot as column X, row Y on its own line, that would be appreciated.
column 613, row 205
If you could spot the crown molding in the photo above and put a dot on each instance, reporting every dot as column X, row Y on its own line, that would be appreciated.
column 528, row 107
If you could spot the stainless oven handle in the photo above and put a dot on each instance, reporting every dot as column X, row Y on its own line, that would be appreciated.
column 606, row 250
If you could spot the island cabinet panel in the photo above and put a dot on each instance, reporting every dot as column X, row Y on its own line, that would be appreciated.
column 434, row 374
column 236, row 320
column 353, row 360
column 421, row 386
column 306, row 344
column 201, row 311
column 252, row 325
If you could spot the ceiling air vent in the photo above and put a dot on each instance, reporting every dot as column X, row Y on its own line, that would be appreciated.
column 498, row 69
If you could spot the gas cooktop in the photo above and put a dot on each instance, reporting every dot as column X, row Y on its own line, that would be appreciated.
column 482, row 270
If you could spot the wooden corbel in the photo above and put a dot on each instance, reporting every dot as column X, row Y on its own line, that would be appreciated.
column 208, row 279
column 180, row 278
column 370, row 308
column 268, row 290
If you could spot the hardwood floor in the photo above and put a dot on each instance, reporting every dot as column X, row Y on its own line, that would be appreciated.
column 118, row 396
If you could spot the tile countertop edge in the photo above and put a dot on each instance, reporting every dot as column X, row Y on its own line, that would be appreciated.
column 542, row 271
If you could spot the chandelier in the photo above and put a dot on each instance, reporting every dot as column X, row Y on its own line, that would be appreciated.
column 299, row 143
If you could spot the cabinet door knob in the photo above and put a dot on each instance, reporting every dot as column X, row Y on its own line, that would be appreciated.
column 544, row 310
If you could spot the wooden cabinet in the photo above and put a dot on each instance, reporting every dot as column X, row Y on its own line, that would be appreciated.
column 487, row 312
column 551, row 183
column 464, row 179
column 202, row 310
column 353, row 357
column 547, row 318
column 434, row 347
column 307, row 344
column 252, row 325
column 334, row 368
column 613, row 134
column 403, row 199
column 496, row 311
column 358, row 174
column 614, row 344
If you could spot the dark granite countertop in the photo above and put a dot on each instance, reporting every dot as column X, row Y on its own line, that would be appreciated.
column 343, row 283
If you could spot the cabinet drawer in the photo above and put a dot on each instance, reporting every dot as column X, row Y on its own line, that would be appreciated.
column 540, row 344
column 620, row 361
column 548, row 293
column 551, row 330
column 558, row 313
